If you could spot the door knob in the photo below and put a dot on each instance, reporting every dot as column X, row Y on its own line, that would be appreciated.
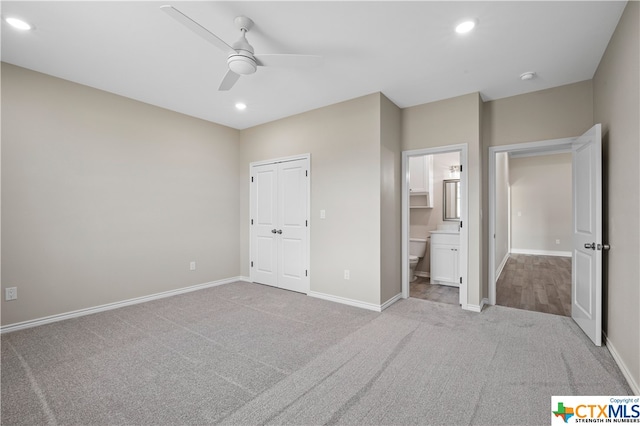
column 591, row 246
column 604, row 246
column 273, row 231
column 279, row 231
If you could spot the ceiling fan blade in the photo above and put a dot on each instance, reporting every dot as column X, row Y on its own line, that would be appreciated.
column 228, row 80
column 292, row 61
column 196, row 28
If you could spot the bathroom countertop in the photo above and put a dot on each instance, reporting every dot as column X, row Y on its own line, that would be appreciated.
column 445, row 231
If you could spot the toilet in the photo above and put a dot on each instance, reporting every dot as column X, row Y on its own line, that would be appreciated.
column 417, row 249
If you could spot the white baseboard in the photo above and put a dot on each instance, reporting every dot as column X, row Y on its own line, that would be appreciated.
column 635, row 387
column 115, row 305
column 391, row 301
column 501, row 266
column 541, row 252
column 476, row 308
column 350, row 302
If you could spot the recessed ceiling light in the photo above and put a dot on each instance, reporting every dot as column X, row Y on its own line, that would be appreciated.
column 241, row 106
column 18, row 23
column 527, row 76
column 465, row 27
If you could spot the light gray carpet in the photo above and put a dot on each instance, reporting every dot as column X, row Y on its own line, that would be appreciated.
column 250, row 354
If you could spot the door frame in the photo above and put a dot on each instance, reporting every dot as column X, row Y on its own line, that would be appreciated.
column 464, row 217
column 546, row 147
column 307, row 157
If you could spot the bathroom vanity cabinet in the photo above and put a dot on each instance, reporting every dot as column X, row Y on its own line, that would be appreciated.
column 445, row 258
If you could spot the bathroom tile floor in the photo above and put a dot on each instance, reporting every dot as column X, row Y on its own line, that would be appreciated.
column 536, row 283
column 422, row 289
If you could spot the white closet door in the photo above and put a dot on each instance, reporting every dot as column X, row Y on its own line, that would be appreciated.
column 265, row 224
column 292, row 215
column 279, row 230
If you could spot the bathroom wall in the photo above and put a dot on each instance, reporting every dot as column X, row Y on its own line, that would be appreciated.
column 423, row 221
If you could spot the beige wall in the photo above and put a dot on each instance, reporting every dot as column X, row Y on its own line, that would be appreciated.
column 617, row 107
column 106, row 199
column 390, row 200
column 541, row 211
column 450, row 122
column 502, row 210
column 560, row 112
column 344, row 143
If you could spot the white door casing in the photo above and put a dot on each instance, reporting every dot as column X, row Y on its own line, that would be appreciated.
column 279, row 236
column 586, row 276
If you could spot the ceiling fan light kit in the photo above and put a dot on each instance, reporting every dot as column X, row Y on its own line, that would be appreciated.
column 240, row 59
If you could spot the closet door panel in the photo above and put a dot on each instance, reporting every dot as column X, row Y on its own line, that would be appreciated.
column 292, row 211
column 265, row 223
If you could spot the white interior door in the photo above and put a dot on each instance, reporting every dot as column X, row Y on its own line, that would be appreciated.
column 586, row 281
column 280, row 224
column 264, row 217
column 293, row 222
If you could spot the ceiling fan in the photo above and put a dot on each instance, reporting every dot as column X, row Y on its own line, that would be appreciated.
column 240, row 59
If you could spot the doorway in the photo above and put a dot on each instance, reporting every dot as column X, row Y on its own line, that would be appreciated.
column 424, row 199
column 279, row 227
column 524, row 237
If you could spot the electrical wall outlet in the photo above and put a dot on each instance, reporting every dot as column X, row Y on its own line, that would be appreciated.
column 11, row 293
column 192, row 266
column 347, row 274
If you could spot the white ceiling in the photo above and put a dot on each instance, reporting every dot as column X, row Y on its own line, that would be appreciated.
column 406, row 50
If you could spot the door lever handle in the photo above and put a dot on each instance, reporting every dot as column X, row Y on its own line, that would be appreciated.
column 604, row 246
column 591, row 246
column 273, row 231
column 279, row 231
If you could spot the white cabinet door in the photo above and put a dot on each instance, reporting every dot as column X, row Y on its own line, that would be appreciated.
column 279, row 229
column 417, row 174
column 444, row 264
column 421, row 179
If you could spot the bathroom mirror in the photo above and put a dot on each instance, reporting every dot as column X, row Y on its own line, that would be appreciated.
column 451, row 207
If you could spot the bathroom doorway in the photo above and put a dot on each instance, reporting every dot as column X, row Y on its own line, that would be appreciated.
column 434, row 204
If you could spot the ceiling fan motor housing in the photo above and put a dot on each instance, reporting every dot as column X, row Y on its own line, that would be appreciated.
column 242, row 62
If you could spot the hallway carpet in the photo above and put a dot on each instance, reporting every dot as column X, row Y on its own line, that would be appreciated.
column 247, row 354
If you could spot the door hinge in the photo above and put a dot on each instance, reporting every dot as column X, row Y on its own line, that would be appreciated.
column 460, row 280
column 306, row 173
column 252, row 221
column 306, row 223
column 460, row 167
column 251, row 178
column 460, row 224
column 252, row 263
column 306, row 273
